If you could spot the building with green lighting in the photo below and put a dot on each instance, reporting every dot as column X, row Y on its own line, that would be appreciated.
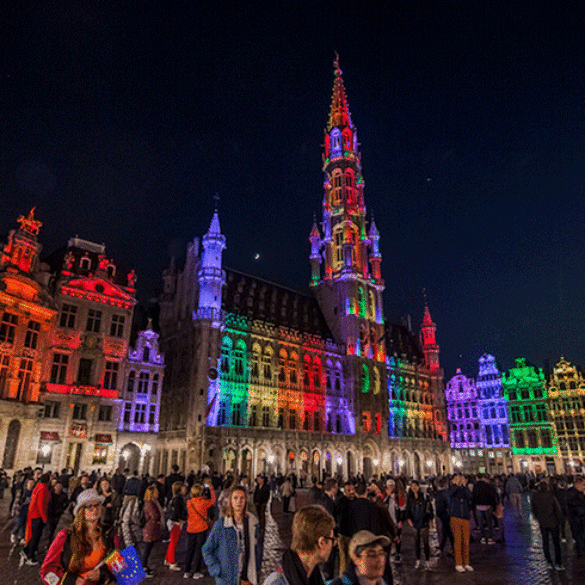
column 532, row 433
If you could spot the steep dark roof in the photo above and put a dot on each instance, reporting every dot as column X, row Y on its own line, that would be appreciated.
column 400, row 340
column 259, row 299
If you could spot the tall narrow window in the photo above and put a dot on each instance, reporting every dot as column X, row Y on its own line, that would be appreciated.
column 131, row 381
column 155, row 381
column 117, row 326
column 140, row 413
column 143, row 382
column 94, row 321
column 8, row 327
column 59, row 368
column 67, row 317
column 292, row 420
column 152, row 415
column 4, row 366
column 31, row 339
column 367, row 422
column 265, row 416
column 24, row 378
column 365, row 379
column 84, row 372
column 111, row 375
column 127, row 412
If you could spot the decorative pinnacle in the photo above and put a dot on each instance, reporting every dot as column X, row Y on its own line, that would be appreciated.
column 336, row 66
column 30, row 224
column 216, row 199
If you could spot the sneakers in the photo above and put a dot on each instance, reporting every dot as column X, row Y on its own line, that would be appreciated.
column 398, row 558
column 166, row 563
column 197, row 575
column 186, row 575
column 22, row 558
column 149, row 573
column 428, row 566
column 483, row 540
column 31, row 562
column 174, row 567
column 460, row 568
column 550, row 565
column 560, row 567
column 417, row 564
column 469, row 568
column 13, row 538
column 491, row 541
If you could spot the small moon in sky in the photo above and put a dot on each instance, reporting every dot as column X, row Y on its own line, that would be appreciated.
column 256, row 256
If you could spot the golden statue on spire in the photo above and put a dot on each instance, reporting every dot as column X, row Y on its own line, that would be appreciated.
column 30, row 224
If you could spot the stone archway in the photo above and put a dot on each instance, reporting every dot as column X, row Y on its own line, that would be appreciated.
column 316, row 465
column 129, row 457
column 261, row 461
column 328, row 463
column 417, row 465
column 246, row 463
column 11, row 445
column 229, row 461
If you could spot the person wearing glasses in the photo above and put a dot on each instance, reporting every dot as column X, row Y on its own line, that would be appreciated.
column 369, row 553
column 312, row 543
column 75, row 556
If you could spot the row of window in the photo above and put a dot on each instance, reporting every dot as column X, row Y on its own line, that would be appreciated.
column 528, row 413
column 52, row 409
column 68, row 317
column 528, row 438
column 526, row 393
column 24, row 377
column 8, row 327
column 141, row 382
column 142, row 413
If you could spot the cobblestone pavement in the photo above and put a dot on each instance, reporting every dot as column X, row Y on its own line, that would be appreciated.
column 519, row 562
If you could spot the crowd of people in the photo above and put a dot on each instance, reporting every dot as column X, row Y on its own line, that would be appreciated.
column 351, row 528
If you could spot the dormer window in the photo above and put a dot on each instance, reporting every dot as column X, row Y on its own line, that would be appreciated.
column 85, row 263
column 111, row 270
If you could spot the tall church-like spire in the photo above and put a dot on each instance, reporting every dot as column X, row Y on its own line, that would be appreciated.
column 430, row 348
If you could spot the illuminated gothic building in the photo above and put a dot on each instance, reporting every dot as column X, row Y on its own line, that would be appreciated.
column 27, row 312
column 141, row 395
column 532, row 435
column 493, row 417
column 463, row 415
column 263, row 377
column 84, row 368
column 566, row 404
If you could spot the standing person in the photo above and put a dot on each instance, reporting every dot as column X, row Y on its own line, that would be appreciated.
column 576, row 508
column 460, row 500
column 287, row 491
column 197, row 527
column 170, row 480
column 130, row 520
column 485, row 500
column 111, row 505
column 175, row 523
column 261, row 497
column 84, row 484
column 344, row 523
column 117, row 482
column 57, row 505
column 442, row 510
column 312, row 541
column 152, row 530
column 230, row 551
column 38, row 514
column 23, row 496
column 419, row 514
column 75, row 556
column 327, row 500
column 547, row 511
column 369, row 554
column 514, row 493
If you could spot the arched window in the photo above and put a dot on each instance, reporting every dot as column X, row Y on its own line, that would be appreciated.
column 377, row 383
column 146, row 354
column 372, row 311
column 338, row 249
column 226, row 347
column 365, row 379
column 267, row 365
column 293, row 366
column 362, row 302
column 306, row 371
column 350, row 186
column 282, row 366
column 336, row 187
column 328, row 374
column 317, row 374
column 240, row 358
column 255, row 361
column 338, row 377
column 335, row 143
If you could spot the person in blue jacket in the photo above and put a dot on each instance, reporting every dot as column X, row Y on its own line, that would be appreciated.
column 231, row 547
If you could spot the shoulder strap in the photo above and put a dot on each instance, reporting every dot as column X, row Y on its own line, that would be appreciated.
column 244, row 575
column 198, row 513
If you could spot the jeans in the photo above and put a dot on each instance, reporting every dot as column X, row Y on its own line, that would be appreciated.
column 555, row 533
column 195, row 542
column 424, row 534
column 285, row 503
column 146, row 553
column 37, row 526
column 485, row 517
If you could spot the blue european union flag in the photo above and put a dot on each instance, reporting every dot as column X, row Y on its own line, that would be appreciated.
column 126, row 566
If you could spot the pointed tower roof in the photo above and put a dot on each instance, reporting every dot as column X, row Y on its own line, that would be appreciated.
column 427, row 317
column 314, row 231
column 214, row 228
column 339, row 113
column 373, row 230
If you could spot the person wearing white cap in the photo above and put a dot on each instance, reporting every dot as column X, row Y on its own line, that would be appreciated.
column 369, row 553
column 75, row 556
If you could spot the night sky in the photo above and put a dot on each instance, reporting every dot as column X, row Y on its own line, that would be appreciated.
column 121, row 120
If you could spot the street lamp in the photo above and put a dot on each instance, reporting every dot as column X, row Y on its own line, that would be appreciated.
column 375, row 462
column 45, row 450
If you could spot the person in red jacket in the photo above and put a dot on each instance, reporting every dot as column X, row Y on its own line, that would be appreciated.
column 38, row 513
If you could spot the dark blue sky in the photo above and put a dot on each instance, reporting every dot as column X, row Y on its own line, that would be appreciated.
column 120, row 120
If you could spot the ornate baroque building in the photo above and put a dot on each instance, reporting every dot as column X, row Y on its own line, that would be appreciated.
column 263, row 377
column 566, row 404
column 27, row 312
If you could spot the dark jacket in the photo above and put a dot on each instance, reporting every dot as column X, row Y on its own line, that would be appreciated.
column 365, row 515
column 460, row 499
column 419, row 510
column 484, row 494
column 546, row 509
column 344, row 515
column 178, row 509
column 327, row 502
column 575, row 503
column 442, row 504
column 292, row 572
column 169, row 481
column 57, row 504
column 117, row 482
column 132, row 486
column 262, row 494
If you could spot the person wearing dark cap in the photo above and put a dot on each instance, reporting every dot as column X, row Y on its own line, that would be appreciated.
column 369, row 553
column 76, row 554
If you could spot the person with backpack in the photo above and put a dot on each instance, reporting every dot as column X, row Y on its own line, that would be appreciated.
column 197, row 527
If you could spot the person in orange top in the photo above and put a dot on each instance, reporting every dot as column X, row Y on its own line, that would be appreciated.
column 75, row 556
column 38, row 514
column 197, row 527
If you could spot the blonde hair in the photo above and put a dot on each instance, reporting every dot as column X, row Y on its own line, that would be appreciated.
column 196, row 490
column 228, row 510
column 309, row 525
column 151, row 493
